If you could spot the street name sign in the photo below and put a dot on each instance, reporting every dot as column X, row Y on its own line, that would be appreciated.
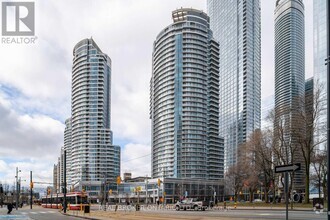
column 287, row 168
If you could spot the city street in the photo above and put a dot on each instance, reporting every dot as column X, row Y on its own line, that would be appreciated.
column 247, row 214
column 37, row 213
column 162, row 214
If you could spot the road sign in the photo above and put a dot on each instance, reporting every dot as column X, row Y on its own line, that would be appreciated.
column 287, row 168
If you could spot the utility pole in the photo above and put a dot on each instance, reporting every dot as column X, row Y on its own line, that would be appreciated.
column 104, row 193
column 17, row 190
column 147, row 189
column 31, row 188
column 328, row 109
column 286, row 190
column 64, row 184
column 164, row 193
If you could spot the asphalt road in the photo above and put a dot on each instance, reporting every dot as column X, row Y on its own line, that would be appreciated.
column 37, row 213
column 162, row 214
column 256, row 214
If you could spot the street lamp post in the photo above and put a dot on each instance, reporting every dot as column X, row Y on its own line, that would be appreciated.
column 164, row 193
column 147, row 190
column 328, row 109
column 104, row 192
column 17, row 189
column 214, row 194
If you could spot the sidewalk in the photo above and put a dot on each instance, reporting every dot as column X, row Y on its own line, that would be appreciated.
column 122, row 215
column 154, row 212
column 271, row 208
column 3, row 210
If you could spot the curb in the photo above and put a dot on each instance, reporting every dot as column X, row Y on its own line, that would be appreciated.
column 258, row 209
column 82, row 217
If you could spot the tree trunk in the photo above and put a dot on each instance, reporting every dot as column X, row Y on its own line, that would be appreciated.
column 274, row 192
column 251, row 195
column 319, row 187
column 266, row 194
column 325, row 192
column 307, row 187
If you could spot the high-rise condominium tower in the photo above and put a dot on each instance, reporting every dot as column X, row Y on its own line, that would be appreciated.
column 184, row 100
column 67, row 148
column 236, row 26
column 289, row 79
column 92, row 155
column 320, row 70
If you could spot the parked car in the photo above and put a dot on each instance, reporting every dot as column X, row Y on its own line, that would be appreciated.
column 257, row 200
column 191, row 204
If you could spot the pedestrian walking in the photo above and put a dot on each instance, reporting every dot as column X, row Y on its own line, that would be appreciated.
column 10, row 208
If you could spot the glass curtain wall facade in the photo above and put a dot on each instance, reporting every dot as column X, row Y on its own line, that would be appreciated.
column 320, row 70
column 92, row 154
column 184, row 100
column 236, row 26
column 289, row 80
column 67, row 147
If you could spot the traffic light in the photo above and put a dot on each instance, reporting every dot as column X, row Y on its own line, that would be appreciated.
column 31, row 185
column 48, row 191
column 118, row 180
column 158, row 182
column 110, row 191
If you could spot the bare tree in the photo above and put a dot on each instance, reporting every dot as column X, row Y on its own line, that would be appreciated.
column 242, row 174
column 260, row 146
column 234, row 178
column 319, row 177
column 248, row 166
column 310, row 129
column 286, row 148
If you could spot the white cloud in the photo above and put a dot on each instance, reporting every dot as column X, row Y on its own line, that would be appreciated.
column 29, row 136
column 136, row 159
column 40, row 172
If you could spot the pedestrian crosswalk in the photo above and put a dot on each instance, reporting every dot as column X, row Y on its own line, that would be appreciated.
column 37, row 212
column 22, row 215
column 14, row 217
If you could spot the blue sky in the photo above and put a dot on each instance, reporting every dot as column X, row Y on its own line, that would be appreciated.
column 35, row 80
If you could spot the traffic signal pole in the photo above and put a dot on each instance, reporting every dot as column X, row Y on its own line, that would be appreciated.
column 64, row 184
column 328, row 109
column 17, row 195
column 31, row 188
column 104, row 193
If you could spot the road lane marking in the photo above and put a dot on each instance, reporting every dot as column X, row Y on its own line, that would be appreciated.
column 14, row 217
